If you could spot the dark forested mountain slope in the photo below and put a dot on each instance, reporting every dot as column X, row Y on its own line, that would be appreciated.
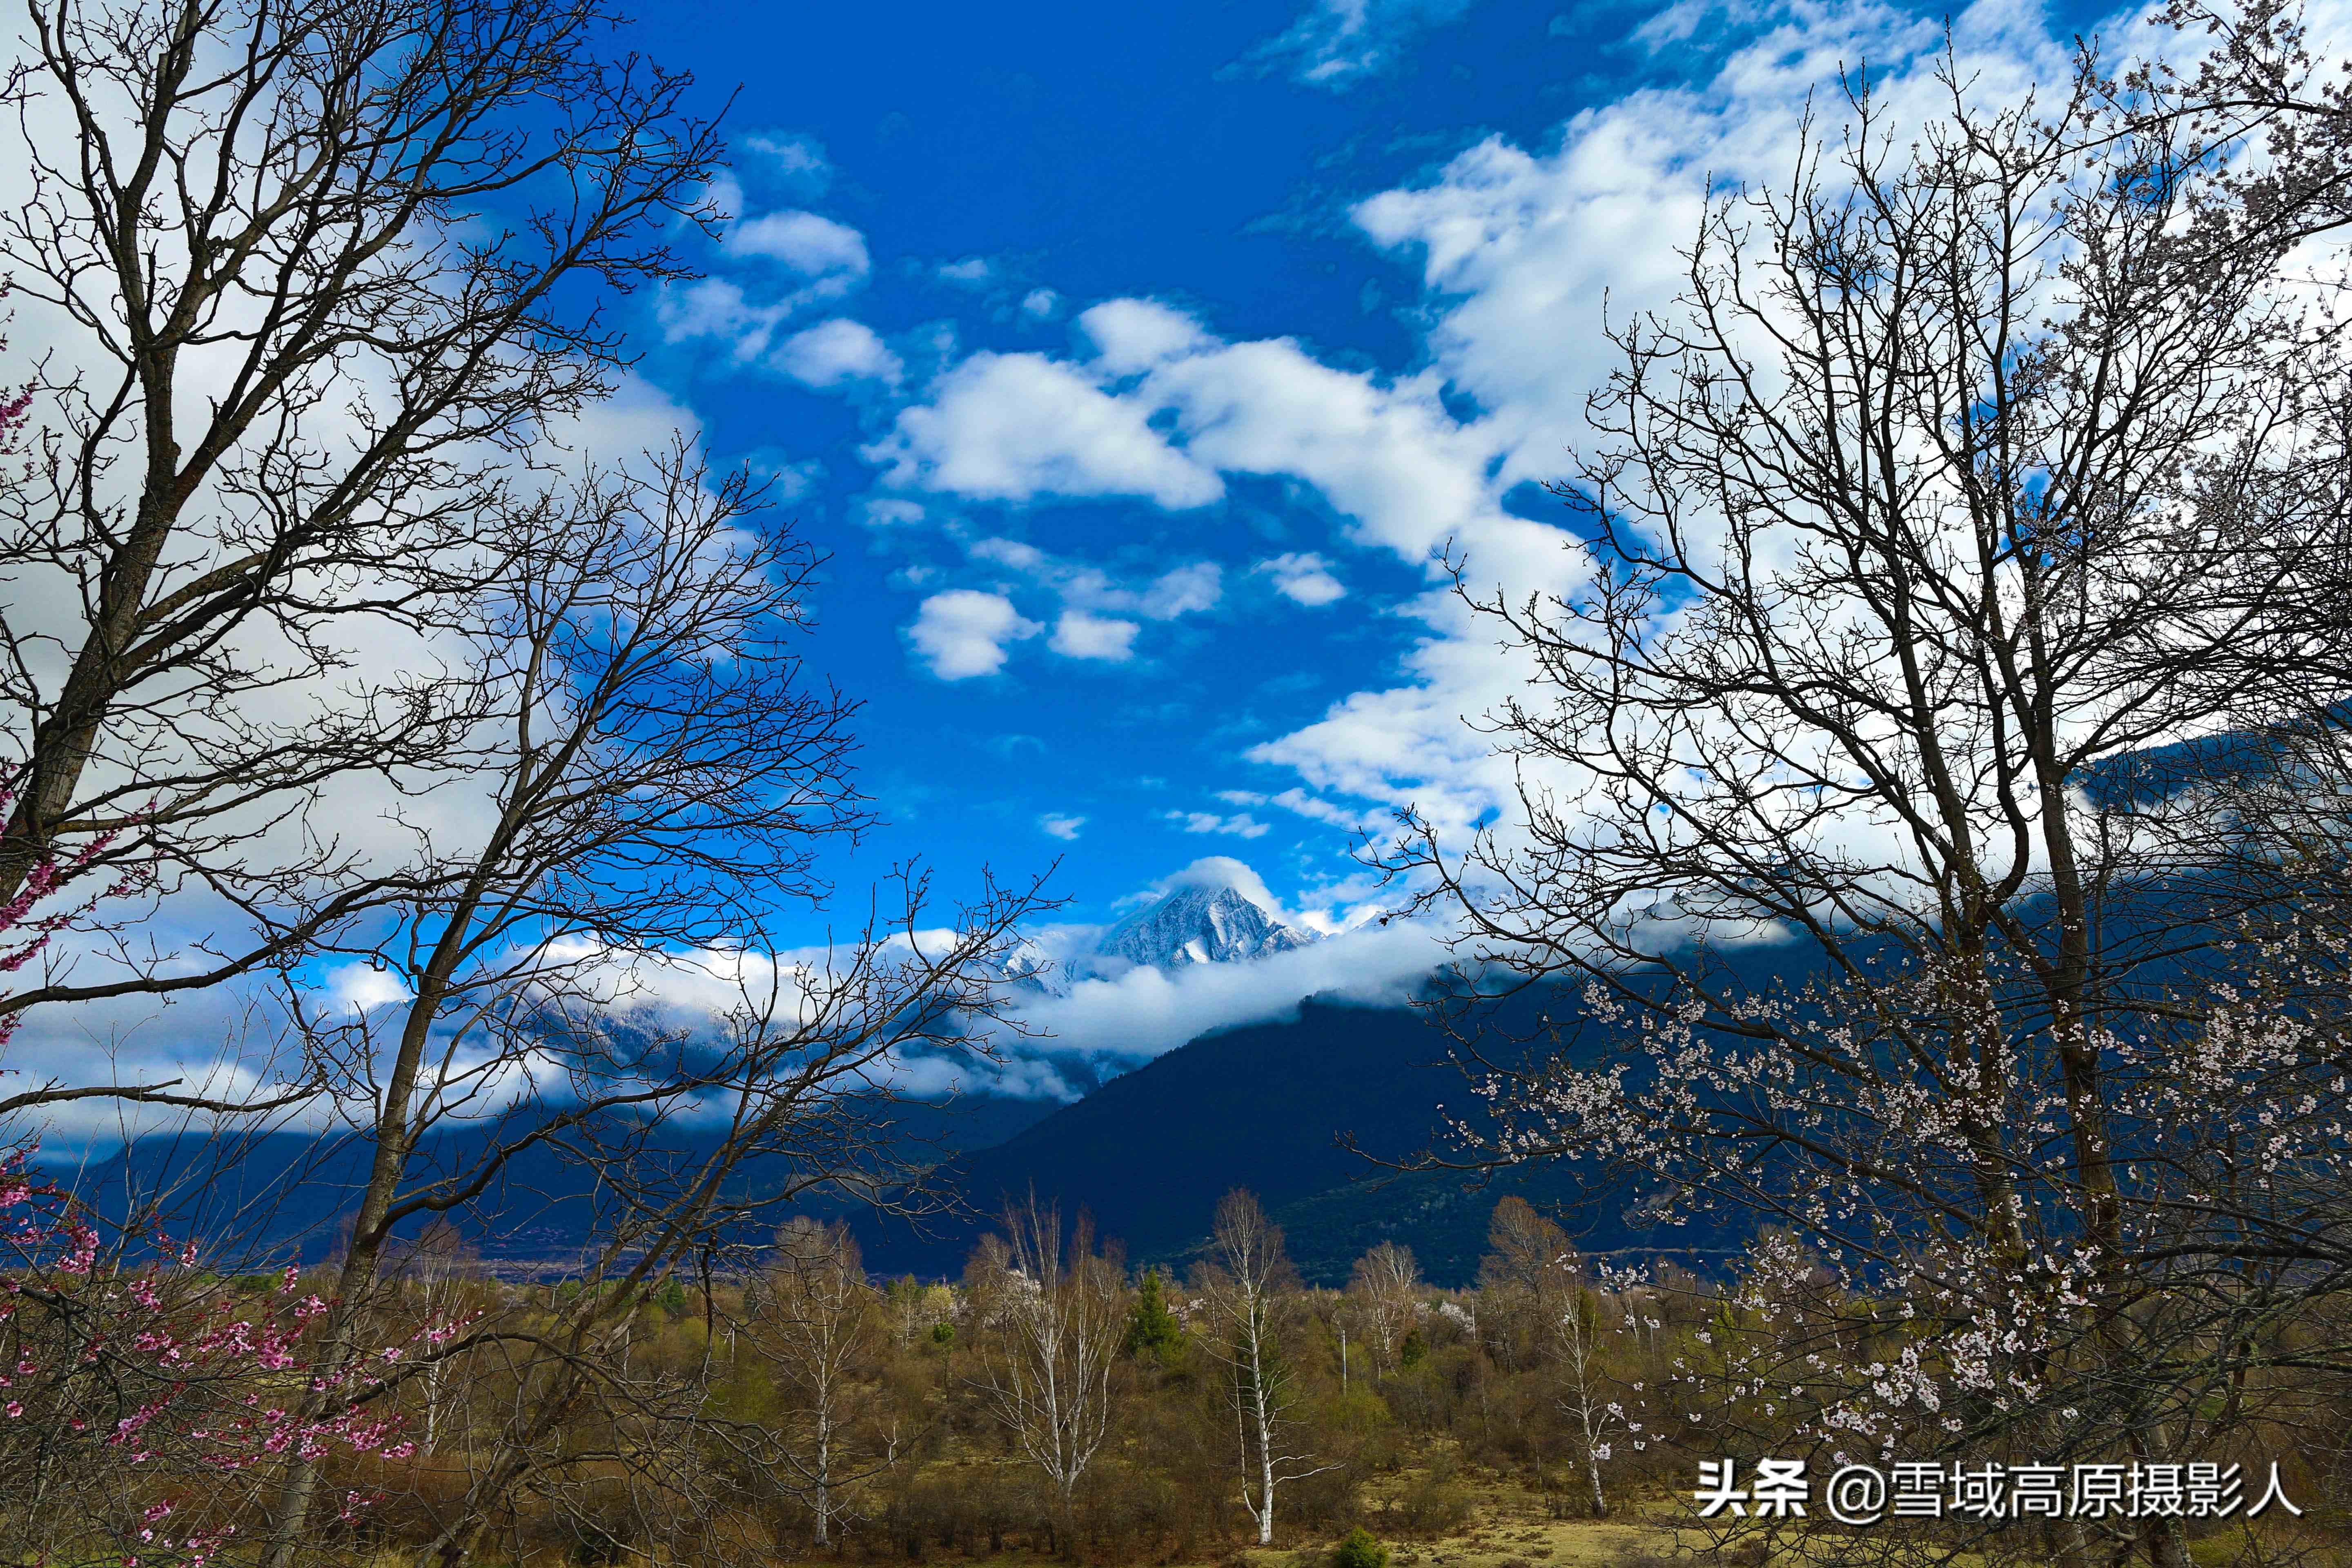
column 1266, row 1107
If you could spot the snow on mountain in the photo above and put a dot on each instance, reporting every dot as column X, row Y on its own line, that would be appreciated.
column 1031, row 968
column 1200, row 921
column 1213, row 911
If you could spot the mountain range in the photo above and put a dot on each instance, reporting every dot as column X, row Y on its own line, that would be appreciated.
column 1282, row 1107
column 1314, row 1113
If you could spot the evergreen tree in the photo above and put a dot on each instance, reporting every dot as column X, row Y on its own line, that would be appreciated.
column 1153, row 1333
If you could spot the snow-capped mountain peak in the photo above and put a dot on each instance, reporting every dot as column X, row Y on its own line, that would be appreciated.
column 1031, row 968
column 1199, row 923
column 1215, row 911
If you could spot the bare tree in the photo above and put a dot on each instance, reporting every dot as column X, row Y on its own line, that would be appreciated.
column 1522, row 1280
column 1245, row 1283
column 1054, row 1310
column 1386, row 1283
column 1973, row 479
column 1592, row 1396
column 323, row 279
column 440, row 1267
column 590, row 1011
column 821, row 1325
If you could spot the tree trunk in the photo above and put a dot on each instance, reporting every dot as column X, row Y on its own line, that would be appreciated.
column 824, row 1476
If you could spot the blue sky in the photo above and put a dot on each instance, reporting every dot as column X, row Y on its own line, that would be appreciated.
column 1133, row 365
column 1132, row 360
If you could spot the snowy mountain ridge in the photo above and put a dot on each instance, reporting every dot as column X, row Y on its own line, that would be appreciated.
column 1204, row 917
column 1200, row 924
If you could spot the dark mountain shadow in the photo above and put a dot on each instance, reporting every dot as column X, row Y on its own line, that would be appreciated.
column 1275, row 1108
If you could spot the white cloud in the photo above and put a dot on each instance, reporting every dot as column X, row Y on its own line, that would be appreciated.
column 811, row 246
column 1184, row 590
column 363, row 988
column 1240, row 825
column 1146, row 1011
column 1318, row 810
column 829, row 257
column 1059, row 826
column 1132, row 336
column 883, row 512
column 1022, row 556
column 836, row 352
column 1015, row 426
column 1334, row 44
column 971, row 271
column 1408, row 744
column 1077, row 635
column 1219, row 871
column 788, row 481
column 1183, row 407
column 1519, row 251
column 962, row 633
column 1179, row 591
column 715, row 308
column 724, row 309
column 1304, row 578
column 1039, row 304
column 800, row 160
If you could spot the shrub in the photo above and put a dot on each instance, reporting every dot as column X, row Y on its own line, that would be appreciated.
column 1356, row 1549
column 1434, row 1506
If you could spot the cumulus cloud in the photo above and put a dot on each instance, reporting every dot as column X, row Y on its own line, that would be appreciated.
column 1130, row 336
column 810, row 244
column 962, row 633
column 717, row 308
column 1039, row 304
column 1017, row 427
column 833, row 352
column 1077, row 635
column 1519, row 251
column 1184, row 589
column 723, row 310
column 1335, row 44
column 1101, row 617
column 1304, row 578
column 1162, row 411
column 1059, row 826
column 824, row 260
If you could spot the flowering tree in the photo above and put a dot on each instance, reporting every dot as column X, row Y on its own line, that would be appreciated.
column 146, row 1401
column 1936, row 787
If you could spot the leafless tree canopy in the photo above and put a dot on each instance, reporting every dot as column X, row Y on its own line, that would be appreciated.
column 1965, row 618
column 322, row 280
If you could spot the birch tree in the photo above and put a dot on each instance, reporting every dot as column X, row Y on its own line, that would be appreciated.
column 820, row 1326
column 1385, row 1283
column 1054, row 1310
column 1246, row 1283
